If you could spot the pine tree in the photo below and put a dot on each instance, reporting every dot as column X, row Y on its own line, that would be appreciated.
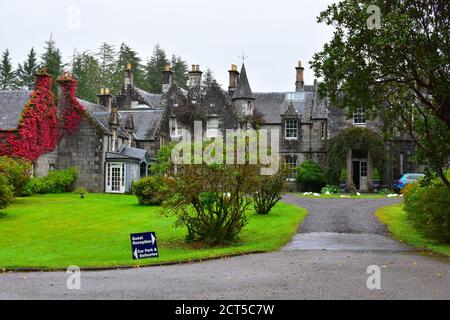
column 107, row 60
column 7, row 74
column 26, row 71
column 52, row 60
column 180, row 71
column 153, row 70
column 128, row 56
column 209, row 80
column 87, row 70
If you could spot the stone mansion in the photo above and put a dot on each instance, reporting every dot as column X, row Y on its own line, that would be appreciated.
column 120, row 135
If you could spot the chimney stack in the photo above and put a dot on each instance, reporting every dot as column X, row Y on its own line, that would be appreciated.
column 105, row 99
column 300, row 83
column 128, row 74
column 195, row 77
column 167, row 78
column 234, row 79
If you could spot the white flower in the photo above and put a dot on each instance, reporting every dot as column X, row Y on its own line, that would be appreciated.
column 316, row 195
column 358, row 194
column 328, row 192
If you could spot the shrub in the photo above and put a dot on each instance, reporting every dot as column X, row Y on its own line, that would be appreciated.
column 310, row 175
column 428, row 209
column 17, row 171
column 270, row 190
column 211, row 200
column 149, row 191
column 6, row 192
column 57, row 181
column 330, row 189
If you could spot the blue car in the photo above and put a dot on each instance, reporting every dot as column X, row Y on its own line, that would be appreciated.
column 406, row 178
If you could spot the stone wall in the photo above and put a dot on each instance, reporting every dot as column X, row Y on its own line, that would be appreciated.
column 84, row 150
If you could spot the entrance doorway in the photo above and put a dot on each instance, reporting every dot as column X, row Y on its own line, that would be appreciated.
column 115, row 180
column 360, row 174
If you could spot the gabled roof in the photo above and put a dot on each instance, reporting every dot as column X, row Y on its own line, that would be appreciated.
column 243, row 90
column 151, row 99
column 129, row 154
column 11, row 107
column 305, row 103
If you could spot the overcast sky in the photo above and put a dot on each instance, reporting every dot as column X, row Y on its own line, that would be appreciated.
column 273, row 34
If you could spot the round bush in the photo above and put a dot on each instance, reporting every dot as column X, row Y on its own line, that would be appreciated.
column 6, row 192
column 17, row 171
column 428, row 209
column 310, row 175
column 148, row 190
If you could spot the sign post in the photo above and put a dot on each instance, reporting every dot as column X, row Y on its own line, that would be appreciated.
column 144, row 246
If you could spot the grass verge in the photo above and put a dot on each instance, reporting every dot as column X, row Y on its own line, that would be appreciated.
column 395, row 218
column 56, row 231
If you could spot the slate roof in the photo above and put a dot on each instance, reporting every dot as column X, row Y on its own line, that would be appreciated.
column 151, row 99
column 146, row 121
column 243, row 90
column 11, row 106
column 128, row 153
column 306, row 103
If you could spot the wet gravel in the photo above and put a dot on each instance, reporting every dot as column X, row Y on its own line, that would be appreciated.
column 354, row 216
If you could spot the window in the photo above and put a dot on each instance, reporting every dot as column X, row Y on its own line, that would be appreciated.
column 323, row 131
column 175, row 128
column 249, row 108
column 212, row 130
column 291, row 129
column 363, row 169
column 358, row 116
column 292, row 161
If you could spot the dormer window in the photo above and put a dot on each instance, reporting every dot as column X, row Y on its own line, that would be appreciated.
column 359, row 116
column 175, row 128
column 291, row 129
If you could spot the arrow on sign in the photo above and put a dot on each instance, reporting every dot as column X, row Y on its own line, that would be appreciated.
column 135, row 254
column 153, row 239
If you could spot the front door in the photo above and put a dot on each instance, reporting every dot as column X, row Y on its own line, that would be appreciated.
column 115, row 178
column 360, row 174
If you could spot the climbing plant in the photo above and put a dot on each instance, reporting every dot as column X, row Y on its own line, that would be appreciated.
column 73, row 111
column 38, row 128
column 353, row 138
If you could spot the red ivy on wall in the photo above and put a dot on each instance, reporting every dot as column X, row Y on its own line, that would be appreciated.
column 73, row 111
column 38, row 128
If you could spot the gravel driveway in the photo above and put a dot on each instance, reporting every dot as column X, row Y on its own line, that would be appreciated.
column 341, row 215
column 342, row 224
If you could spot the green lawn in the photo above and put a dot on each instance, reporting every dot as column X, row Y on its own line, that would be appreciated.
column 395, row 218
column 55, row 231
column 338, row 196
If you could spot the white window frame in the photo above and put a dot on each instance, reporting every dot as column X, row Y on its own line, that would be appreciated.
column 293, row 162
column 291, row 129
column 359, row 117
column 122, row 174
column 174, row 124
